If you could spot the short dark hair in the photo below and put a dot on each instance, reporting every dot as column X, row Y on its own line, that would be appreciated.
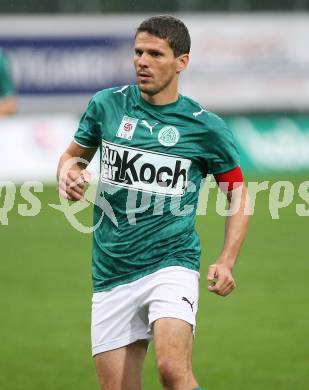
column 167, row 27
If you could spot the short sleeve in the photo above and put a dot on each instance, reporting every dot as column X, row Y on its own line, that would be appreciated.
column 88, row 132
column 6, row 82
column 221, row 151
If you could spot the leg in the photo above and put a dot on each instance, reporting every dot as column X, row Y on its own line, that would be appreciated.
column 173, row 340
column 120, row 369
column 119, row 337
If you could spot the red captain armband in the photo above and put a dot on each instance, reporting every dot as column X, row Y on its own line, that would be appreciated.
column 229, row 180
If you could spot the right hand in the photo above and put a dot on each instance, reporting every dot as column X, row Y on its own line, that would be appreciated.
column 73, row 184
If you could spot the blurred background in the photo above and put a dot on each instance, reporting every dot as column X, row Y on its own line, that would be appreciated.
column 250, row 64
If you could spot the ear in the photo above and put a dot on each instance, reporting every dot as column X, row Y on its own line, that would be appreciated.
column 182, row 62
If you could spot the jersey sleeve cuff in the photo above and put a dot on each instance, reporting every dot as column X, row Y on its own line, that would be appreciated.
column 84, row 146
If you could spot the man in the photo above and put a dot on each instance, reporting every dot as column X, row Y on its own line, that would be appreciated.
column 156, row 145
column 7, row 99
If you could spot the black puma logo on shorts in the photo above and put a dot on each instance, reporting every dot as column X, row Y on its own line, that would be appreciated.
column 187, row 300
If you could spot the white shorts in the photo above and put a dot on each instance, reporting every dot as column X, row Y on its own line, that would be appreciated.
column 126, row 313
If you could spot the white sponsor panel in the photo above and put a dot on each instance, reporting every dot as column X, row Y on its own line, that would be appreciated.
column 143, row 170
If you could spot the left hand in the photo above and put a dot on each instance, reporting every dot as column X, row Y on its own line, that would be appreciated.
column 220, row 279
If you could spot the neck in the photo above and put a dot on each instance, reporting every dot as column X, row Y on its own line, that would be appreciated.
column 160, row 99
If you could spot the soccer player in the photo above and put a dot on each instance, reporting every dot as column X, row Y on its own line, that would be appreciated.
column 156, row 145
column 7, row 99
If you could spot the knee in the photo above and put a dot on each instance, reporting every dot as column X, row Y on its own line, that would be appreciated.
column 172, row 374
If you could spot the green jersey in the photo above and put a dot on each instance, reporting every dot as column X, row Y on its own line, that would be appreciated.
column 153, row 158
column 6, row 83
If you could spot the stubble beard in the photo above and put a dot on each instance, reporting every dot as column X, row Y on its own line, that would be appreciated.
column 152, row 91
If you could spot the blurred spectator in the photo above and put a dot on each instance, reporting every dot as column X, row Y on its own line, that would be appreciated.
column 7, row 91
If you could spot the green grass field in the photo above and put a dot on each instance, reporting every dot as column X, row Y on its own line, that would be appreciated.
column 255, row 339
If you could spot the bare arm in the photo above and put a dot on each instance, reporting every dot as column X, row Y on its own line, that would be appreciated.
column 235, row 230
column 72, row 175
column 7, row 106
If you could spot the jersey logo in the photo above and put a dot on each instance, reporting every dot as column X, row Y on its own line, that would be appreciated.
column 187, row 300
column 146, row 124
column 127, row 127
column 168, row 136
column 195, row 114
column 121, row 90
column 139, row 169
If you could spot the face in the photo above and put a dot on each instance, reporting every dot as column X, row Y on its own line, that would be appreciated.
column 155, row 64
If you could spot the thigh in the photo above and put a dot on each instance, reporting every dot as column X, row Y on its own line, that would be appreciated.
column 173, row 304
column 121, row 369
column 173, row 339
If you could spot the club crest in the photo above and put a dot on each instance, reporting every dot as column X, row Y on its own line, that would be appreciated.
column 168, row 136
